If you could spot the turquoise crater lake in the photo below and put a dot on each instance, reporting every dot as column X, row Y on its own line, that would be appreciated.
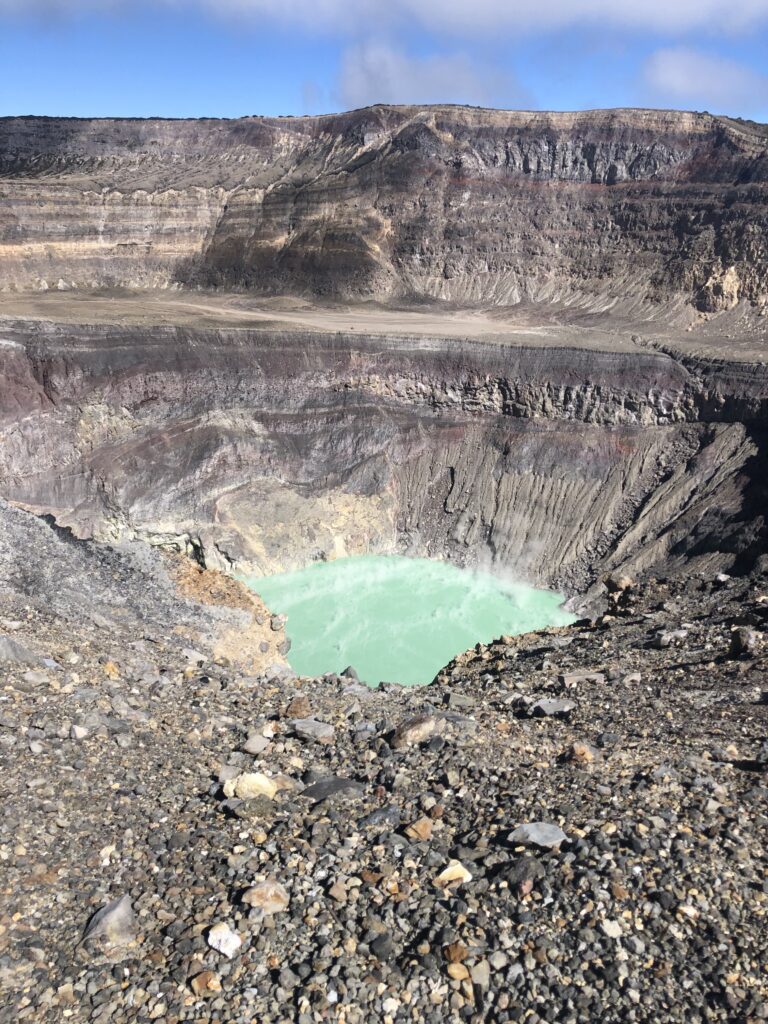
column 398, row 619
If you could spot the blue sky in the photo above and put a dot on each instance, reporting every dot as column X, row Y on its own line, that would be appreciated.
column 186, row 58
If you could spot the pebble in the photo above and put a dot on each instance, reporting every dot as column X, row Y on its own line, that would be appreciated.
column 612, row 929
column 205, row 983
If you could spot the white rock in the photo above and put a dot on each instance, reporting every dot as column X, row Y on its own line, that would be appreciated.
column 249, row 785
column 612, row 929
column 224, row 940
column 538, row 833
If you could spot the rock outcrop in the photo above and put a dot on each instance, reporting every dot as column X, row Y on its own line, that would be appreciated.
column 624, row 208
column 569, row 822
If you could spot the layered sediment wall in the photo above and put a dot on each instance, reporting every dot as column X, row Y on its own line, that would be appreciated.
column 624, row 208
column 261, row 450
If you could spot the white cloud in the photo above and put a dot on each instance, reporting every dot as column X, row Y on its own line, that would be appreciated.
column 379, row 73
column 487, row 17
column 681, row 76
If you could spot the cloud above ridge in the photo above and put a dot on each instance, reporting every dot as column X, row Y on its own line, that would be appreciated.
column 690, row 77
column 381, row 73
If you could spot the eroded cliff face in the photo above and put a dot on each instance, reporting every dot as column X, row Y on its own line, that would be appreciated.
column 595, row 437
column 258, row 451
column 630, row 209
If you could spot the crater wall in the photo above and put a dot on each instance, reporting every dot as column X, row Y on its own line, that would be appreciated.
column 260, row 450
column 621, row 208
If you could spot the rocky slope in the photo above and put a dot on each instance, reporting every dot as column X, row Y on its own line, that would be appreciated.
column 566, row 826
column 624, row 208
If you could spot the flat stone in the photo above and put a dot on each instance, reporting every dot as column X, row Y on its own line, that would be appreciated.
column 420, row 830
column 333, row 786
column 552, row 708
column 114, row 924
column 574, row 678
column 385, row 817
column 35, row 678
column 538, row 833
column 312, row 730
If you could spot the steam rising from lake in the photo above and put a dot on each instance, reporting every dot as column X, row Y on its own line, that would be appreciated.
column 398, row 619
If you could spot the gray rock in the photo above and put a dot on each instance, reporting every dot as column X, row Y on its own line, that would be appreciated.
column 333, row 786
column 312, row 730
column 15, row 653
column 385, row 817
column 255, row 744
column 383, row 947
column 114, row 925
column 552, row 708
column 574, row 678
column 480, row 973
column 538, row 833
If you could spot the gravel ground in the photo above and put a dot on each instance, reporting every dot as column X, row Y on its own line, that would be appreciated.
column 565, row 826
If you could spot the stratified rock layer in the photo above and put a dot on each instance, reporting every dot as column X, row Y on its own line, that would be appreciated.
column 619, row 207
column 261, row 450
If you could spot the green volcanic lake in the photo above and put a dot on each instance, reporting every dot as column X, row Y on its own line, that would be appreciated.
column 398, row 619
